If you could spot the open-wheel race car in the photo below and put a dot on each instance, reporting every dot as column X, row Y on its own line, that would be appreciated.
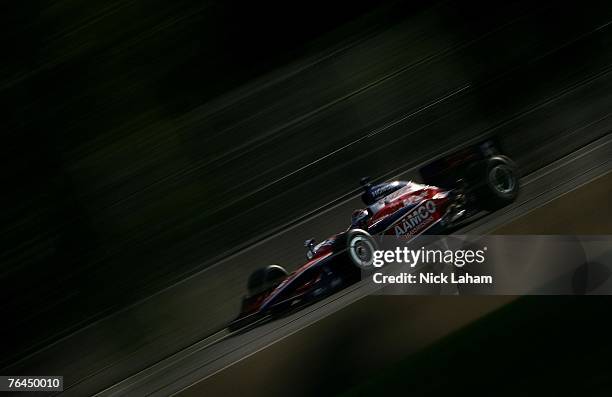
column 455, row 188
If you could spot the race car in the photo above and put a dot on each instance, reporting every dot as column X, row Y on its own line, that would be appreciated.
column 475, row 179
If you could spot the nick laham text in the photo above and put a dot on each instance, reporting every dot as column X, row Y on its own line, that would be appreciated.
column 431, row 278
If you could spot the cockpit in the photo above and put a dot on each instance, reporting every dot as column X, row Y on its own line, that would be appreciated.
column 359, row 218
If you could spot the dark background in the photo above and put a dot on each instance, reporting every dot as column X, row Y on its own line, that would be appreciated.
column 95, row 207
column 111, row 190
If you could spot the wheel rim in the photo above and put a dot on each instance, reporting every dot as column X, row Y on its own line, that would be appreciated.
column 361, row 251
column 502, row 179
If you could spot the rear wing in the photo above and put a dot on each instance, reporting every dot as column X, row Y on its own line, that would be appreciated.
column 445, row 171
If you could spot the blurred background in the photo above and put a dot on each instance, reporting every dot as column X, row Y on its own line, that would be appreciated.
column 106, row 166
column 146, row 141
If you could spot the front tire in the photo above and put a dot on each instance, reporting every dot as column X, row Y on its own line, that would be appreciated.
column 265, row 279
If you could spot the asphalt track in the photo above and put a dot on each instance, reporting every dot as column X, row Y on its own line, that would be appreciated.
column 543, row 113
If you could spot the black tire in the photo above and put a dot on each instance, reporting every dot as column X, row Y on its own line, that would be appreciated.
column 496, row 183
column 360, row 247
column 266, row 278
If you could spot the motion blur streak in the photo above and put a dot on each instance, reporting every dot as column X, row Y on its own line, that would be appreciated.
column 348, row 145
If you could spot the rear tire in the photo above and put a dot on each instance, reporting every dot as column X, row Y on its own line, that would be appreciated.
column 497, row 183
column 360, row 247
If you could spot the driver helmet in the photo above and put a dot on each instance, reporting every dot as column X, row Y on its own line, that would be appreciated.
column 359, row 217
